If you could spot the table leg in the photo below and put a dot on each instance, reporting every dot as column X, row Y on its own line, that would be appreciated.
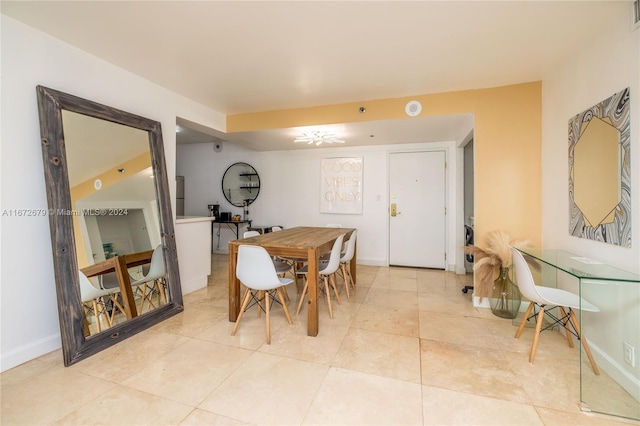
column 234, row 284
column 352, row 264
column 312, row 293
column 128, row 301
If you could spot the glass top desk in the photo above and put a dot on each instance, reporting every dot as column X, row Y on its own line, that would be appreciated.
column 611, row 333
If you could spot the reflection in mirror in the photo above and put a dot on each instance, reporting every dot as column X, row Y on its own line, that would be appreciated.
column 112, row 232
column 116, row 218
column 241, row 184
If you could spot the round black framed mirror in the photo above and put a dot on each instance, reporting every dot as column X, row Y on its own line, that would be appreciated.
column 240, row 184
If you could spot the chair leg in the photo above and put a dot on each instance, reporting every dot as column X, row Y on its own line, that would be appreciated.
column 261, row 297
column 284, row 305
column 284, row 291
column 245, row 302
column 565, row 321
column 348, row 268
column 326, row 290
column 536, row 336
column 116, row 304
column 268, row 318
column 332, row 279
column 304, row 292
column 524, row 320
column 96, row 313
column 576, row 325
column 345, row 278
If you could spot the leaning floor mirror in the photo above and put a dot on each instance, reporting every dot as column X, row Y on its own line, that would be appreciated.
column 112, row 233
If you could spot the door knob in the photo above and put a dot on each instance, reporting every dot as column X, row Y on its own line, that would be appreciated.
column 394, row 210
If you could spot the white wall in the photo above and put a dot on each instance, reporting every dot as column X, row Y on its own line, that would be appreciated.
column 610, row 63
column 28, row 308
column 290, row 188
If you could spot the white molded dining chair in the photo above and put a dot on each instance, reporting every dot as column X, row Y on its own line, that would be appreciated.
column 345, row 262
column 92, row 295
column 256, row 272
column 281, row 266
column 326, row 272
column 276, row 228
column 153, row 283
column 546, row 299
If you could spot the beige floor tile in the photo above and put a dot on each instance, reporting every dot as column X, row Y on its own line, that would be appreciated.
column 294, row 342
column 392, row 298
column 470, row 369
column 195, row 319
column 27, row 371
column 352, row 398
column 125, row 406
column 603, row 394
column 403, row 322
column 559, row 417
column 395, row 283
column 447, row 407
column 382, row 354
column 190, row 372
column 398, row 272
column 251, row 333
column 48, row 396
column 457, row 304
column 456, row 329
column 121, row 361
column 268, row 390
column 201, row 417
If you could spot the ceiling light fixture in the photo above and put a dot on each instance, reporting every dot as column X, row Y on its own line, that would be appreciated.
column 318, row 137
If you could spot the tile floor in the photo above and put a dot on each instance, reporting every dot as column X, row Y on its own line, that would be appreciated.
column 408, row 348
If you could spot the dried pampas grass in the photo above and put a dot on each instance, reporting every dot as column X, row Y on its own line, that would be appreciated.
column 489, row 261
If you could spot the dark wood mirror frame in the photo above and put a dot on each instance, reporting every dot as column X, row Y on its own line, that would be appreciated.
column 75, row 346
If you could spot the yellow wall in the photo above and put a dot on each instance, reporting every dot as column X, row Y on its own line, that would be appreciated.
column 507, row 146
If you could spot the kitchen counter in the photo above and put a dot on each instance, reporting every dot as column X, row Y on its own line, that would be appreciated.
column 193, row 242
column 191, row 219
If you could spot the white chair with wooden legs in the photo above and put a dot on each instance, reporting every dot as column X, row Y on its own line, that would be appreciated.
column 92, row 295
column 153, row 283
column 294, row 263
column 327, row 273
column 256, row 272
column 345, row 262
column 281, row 266
column 545, row 299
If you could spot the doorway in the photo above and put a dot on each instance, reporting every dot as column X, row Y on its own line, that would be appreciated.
column 417, row 219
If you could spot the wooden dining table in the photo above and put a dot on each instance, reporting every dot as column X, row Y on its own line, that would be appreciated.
column 300, row 242
column 120, row 265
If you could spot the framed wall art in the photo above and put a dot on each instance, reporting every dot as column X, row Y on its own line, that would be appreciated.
column 600, row 172
column 341, row 185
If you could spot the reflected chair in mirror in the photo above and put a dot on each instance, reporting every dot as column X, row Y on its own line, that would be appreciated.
column 545, row 300
column 93, row 301
column 256, row 272
column 345, row 262
column 327, row 272
column 153, row 283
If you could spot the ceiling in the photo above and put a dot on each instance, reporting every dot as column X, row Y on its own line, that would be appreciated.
column 242, row 56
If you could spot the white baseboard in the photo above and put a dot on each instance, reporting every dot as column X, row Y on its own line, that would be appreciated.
column 478, row 304
column 30, row 351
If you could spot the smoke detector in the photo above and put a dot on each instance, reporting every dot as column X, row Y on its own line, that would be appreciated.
column 413, row 108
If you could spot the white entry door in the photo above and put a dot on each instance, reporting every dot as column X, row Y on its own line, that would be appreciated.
column 417, row 212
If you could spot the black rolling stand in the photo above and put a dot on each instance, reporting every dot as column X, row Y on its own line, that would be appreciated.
column 468, row 234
